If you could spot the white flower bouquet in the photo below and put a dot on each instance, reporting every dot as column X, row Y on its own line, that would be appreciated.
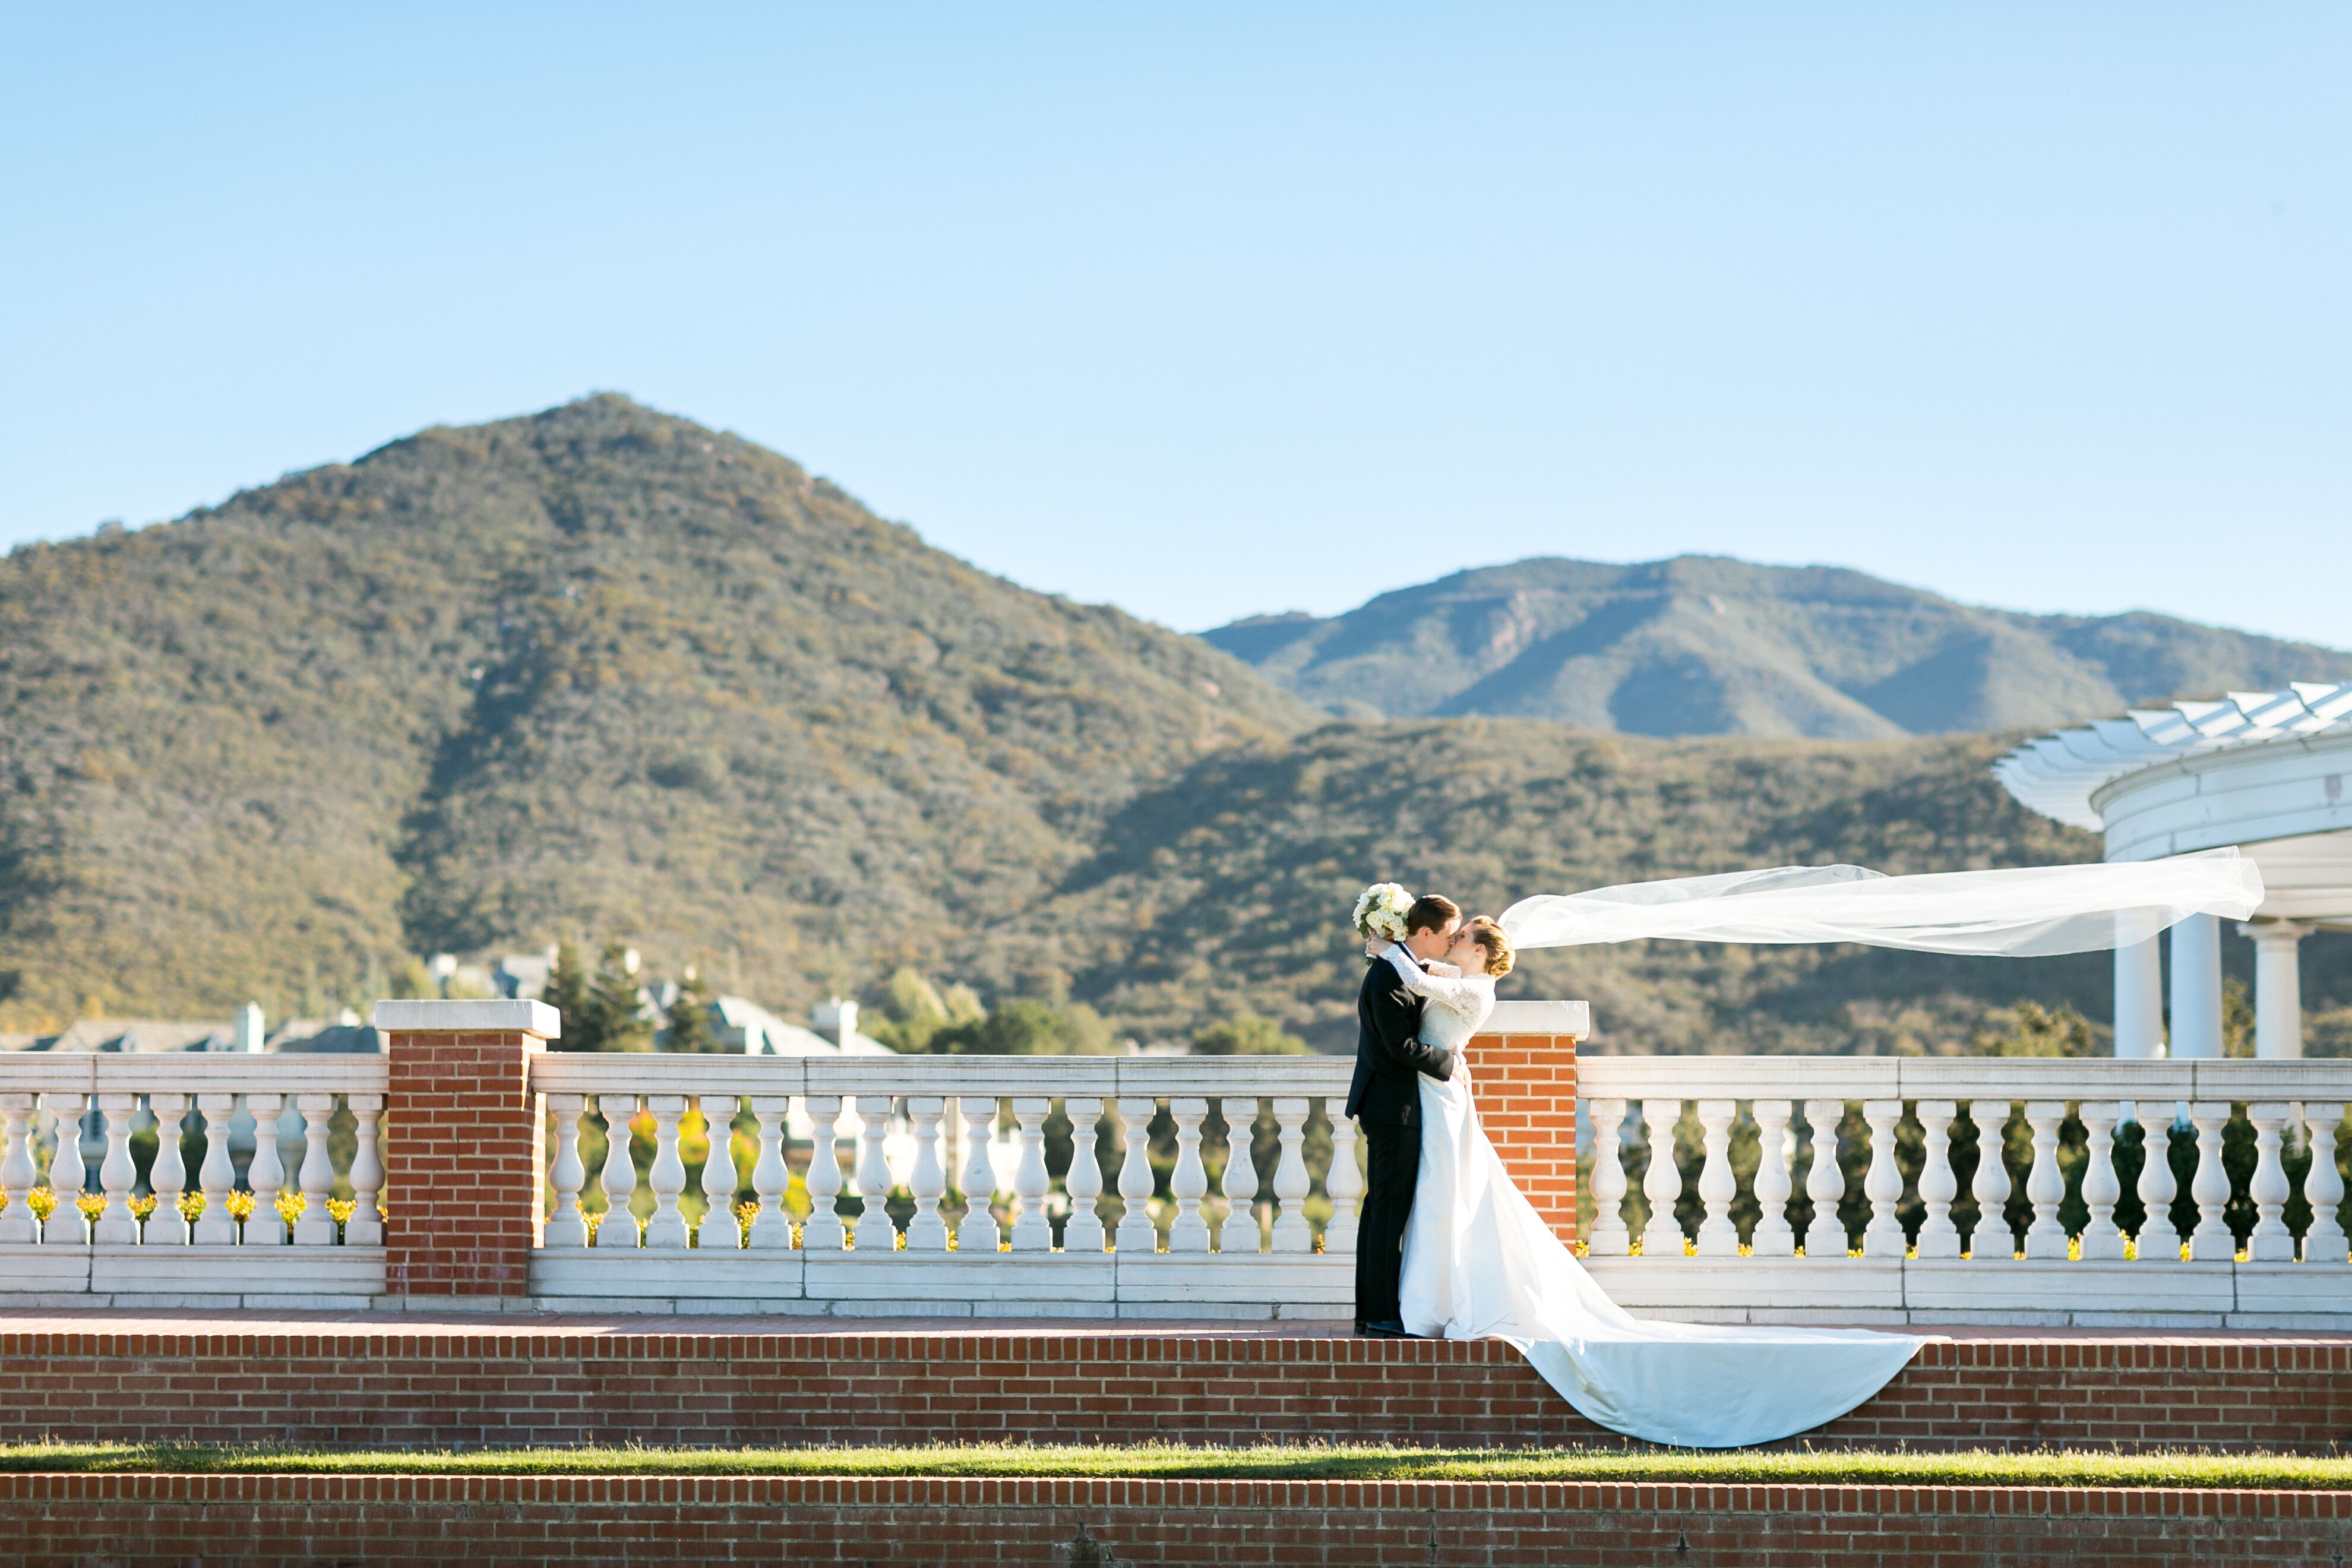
column 1380, row 912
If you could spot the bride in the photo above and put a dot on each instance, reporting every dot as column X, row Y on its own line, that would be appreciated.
column 1479, row 1263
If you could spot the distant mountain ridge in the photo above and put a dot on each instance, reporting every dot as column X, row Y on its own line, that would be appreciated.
column 1712, row 646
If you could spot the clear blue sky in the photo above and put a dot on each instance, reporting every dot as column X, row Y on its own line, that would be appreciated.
column 1210, row 309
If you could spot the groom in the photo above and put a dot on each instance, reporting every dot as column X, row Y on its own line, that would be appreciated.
column 1385, row 1101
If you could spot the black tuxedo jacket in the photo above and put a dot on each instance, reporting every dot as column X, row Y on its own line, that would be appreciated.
column 1389, row 1053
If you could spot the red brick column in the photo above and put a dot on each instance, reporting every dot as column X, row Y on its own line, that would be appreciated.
column 464, row 1145
column 1523, row 1064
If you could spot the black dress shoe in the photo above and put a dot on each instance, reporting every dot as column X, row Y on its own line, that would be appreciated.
column 1385, row 1329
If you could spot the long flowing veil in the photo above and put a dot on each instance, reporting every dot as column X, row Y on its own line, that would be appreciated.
column 2029, row 912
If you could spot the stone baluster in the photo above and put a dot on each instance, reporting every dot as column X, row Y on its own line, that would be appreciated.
column 214, row 1228
column 2159, row 1240
column 1083, row 1231
column 2211, row 1242
column 1718, row 1237
column 822, row 1230
column 665, row 1227
column 1135, row 1232
column 719, row 1177
column 2323, row 1188
column 317, row 1177
column 1190, row 1184
column 1939, row 1237
column 1240, row 1233
column 928, row 1230
column 619, row 1176
column 1345, row 1184
column 1882, row 1234
column 265, row 1174
column 772, row 1228
column 977, row 1232
column 875, row 1232
column 1992, row 1240
column 365, row 1228
column 567, row 1226
column 1662, row 1184
column 1776, row 1153
column 1609, row 1239
column 1291, row 1231
column 17, row 1172
column 1031, row 1230
column 2271, row 1241
column 2045, row 1188
column 167, row 1177
column 1824, row 1180
column 66, row 1225
column 116, row 1225
column 2102, row 1242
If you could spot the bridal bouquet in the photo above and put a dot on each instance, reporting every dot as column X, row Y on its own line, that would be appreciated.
column 1380, row 912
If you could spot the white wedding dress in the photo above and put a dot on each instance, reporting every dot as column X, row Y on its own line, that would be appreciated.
column 1479, row 1263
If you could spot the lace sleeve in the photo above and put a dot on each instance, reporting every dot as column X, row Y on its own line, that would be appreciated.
column 1469, row 996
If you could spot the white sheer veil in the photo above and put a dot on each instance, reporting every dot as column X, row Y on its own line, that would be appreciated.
column 2028, row 912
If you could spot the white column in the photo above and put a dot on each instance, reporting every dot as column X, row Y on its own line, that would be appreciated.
column 1825, row 1182
column 2197, row 988
column 977, row 1232
column 1776, row 1153
column 1239, row 1234
column 265, row 1173
column 116, row 1174
column 2159, row 1240
column 2271, row 1241
column 1939, row 1237
column 2139, row 1000
column 219, row 1175
column 2323, row 1188
column 317, row 1176
column 718, row 1174
column 67, row 1224
column 822, row 1231
column 875, row 1232
column 1610, row 1239
column 566, row 1226
column 1291, row 1231
column 1881, row 1183
column 365, row 1228
column 927, row 1231
column 1032, row 1231
column 1344, row 1183
column 1190, row 1184
column 17, row 1172
column 167, row 1178
column 619, row 1176
column 1718, row 1237
column 666, row 1228
column 2212, row 1242
column 1135, row 1232
column 772, row 1228
column 2102, row 1242
column 2044, row 1186
column 1662, row 1184
column 1083, row 1231
column 1992, row 1240
column 2278, row 988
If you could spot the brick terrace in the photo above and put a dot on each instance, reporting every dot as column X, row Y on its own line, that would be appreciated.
column 419, row 1381
column 430, row 1521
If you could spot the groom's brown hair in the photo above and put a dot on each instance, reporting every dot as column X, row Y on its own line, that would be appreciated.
column 1429, row 912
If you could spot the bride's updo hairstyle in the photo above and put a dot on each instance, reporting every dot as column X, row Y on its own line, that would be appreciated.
column 1496, row 946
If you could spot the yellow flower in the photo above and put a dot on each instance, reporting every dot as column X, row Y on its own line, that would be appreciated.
column 239, row 1204
column 91, row 1204
column 290, row 1206
column 192, row 1206
column 42, row 1201
column 341, row 1210
column 142, row 1207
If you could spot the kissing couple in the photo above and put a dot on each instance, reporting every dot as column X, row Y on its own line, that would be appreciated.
column 1448, row 1246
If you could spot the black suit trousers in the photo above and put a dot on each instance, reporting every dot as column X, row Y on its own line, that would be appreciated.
column 1392, row 1157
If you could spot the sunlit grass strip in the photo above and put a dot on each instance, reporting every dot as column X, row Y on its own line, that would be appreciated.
column 2059, row 1467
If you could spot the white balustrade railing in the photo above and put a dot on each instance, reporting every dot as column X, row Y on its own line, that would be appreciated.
column 1789, row 1222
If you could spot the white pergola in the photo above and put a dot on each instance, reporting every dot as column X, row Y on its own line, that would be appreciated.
column 2267, row 771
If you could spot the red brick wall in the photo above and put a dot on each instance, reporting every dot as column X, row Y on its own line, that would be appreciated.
column 530, row 1384
column 1527, row 1101
column 464, row 1153
column 432, row 1521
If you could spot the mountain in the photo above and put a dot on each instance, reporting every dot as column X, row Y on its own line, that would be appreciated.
column 1711, row 645
column 599, row 668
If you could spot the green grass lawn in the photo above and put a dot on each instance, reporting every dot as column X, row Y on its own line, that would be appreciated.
column 2065, row 1468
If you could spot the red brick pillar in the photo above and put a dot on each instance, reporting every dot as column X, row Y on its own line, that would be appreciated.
column 464, row 1145
column 1523, row 1064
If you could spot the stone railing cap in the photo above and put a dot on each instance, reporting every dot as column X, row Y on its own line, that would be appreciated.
column 1571, row 1018
column 500, row 1017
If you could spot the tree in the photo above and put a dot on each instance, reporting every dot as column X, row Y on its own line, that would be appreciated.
column 410, row 981
column 687, row 1025
column 615, row 1022
column 567, row 981
column 2038, row 1031
column 1248, row 1036
column 1027, row 1027
column 912, row 1012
